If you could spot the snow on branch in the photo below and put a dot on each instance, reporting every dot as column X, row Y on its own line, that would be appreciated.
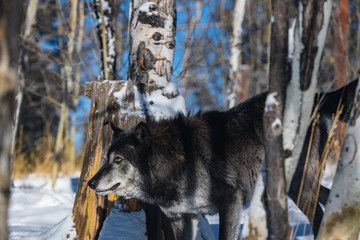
column 163, row 102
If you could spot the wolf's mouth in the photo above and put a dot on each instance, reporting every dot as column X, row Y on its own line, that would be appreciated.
column 114, row 187
column 110, row 189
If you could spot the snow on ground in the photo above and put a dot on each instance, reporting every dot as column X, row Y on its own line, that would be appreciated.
column 39, row 212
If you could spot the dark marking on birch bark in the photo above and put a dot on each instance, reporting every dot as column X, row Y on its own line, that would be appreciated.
column 149, row 59
column 137, row 69
column 170, row 45
column 153, row 20
column 157, row 36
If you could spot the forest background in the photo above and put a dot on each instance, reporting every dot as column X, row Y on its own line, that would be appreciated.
column 59, row 54
column 201, row 66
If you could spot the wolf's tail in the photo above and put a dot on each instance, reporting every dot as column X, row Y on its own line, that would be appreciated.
column 329, row 102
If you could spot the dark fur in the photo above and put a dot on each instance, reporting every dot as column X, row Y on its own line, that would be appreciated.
column 209, row 162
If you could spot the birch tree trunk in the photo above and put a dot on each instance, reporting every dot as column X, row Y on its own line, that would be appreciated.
column 342, row 214
column 26, row 36
column 307, row 39
column 105, row 32
column 307, row 34
column 9, row 11
column 234, row 86
column 63, row 121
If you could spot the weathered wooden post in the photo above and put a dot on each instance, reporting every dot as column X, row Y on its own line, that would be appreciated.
column 89, row 209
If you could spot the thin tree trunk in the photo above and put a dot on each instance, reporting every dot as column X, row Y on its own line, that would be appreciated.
column 26, row 36
column 9, row 11
column 342, row 215
column 105, row 32
column 234, row 86
column 63, row 121
column 193, row 21
column 275, row 198
column 76, row 93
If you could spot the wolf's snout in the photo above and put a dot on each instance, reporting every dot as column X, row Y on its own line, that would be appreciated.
column 92, row 183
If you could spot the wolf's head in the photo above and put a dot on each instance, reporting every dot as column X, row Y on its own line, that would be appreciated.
column 119, row 174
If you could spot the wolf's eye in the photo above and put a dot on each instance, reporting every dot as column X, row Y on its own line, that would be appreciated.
column 118, row 159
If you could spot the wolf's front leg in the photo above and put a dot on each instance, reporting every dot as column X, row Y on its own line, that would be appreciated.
column 184, row 227
column 229, row 214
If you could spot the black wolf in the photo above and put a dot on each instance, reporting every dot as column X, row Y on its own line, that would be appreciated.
column 208, row 162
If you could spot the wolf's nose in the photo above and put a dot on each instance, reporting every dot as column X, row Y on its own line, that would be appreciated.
column 92, row 183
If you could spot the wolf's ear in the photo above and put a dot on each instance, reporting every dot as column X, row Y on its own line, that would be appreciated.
column 116, row 130
column 142, row 134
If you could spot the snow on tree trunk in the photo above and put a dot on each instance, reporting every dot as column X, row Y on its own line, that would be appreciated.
column 234, row 88
column 26, row 36
column 342, row 214
column 105, row 32
column 9, row 11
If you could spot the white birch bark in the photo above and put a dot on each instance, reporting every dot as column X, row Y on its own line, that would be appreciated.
column 342, row 214
column 299, row 103
column 152, row 30
column 152, row 45
column 234, row 86
column 27, row 32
